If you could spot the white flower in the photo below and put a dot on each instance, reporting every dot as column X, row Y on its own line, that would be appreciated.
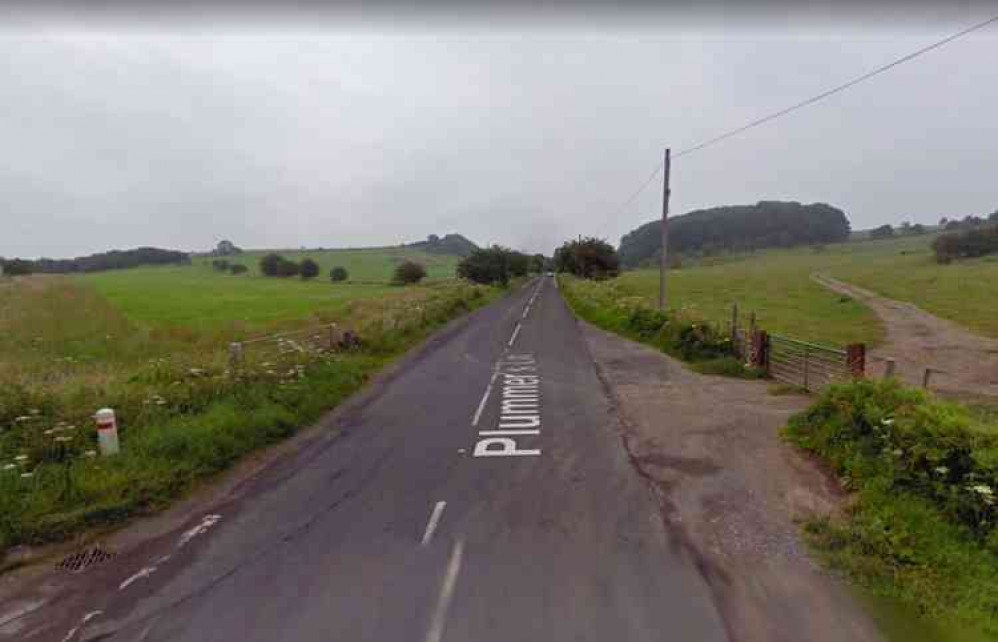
column 942, row 470
column 63, row 439
column 90, row 453
column 10, row 467
column 888, row 421
column 897, row 452
column 21, row 458
column 27, row 475
column 982, row 490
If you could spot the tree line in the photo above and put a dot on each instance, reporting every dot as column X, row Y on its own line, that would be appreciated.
column 737, row 228
column 498, row 264
column 113, row 260
column 968, row 243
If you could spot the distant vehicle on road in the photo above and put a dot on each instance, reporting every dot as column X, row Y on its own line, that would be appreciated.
column 550, row 273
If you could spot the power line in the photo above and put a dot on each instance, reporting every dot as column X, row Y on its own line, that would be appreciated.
column 804, row 103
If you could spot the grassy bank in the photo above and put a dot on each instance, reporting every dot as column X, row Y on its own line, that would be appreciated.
column 920, row 529
column 608, row 305
column 183, row 413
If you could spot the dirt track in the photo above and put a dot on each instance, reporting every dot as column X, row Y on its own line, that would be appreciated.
column 965, row 364
column 731, row 491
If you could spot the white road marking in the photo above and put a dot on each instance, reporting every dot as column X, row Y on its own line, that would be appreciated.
column 520, row 410
column 438, row 510
column 206, row 523
column 436, row 632
column 145, row 572
column 86, row 618
column 512, row 339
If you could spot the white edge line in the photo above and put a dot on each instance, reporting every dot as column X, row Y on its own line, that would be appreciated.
column 516, row 331
column 436, row 631
column 438, row 511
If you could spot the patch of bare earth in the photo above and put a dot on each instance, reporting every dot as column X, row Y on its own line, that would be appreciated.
column 965, row 364
column 732, row 491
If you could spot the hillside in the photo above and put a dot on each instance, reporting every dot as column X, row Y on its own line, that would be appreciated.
column 453, row 244
column 738, row 228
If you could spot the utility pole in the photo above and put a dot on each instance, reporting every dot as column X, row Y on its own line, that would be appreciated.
column 665, row 232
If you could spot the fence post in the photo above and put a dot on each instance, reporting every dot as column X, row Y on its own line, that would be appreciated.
column 734, row 322
column 332, row 336
column 235, row 353
column 760, row 350
column 856, row 359
column 926, row 377
column 805, row 370
column 889, row 369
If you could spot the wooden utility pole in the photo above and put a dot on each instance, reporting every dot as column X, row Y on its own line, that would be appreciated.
column 665, row 233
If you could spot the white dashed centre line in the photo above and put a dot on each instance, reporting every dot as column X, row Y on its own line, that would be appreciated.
column 512, row 339
column 438, row 511
column 436, row 632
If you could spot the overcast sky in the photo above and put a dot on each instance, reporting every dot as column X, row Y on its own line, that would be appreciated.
column 343, row 135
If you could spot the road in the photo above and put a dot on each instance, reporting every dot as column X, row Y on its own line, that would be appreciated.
column 481, row 495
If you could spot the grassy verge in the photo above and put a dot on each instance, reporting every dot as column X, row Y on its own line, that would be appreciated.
column 183, row 413
column 607, row 305
column 920, row 529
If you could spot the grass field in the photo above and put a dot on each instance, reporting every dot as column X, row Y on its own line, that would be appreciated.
column 776, row 285
column 367, row 264
column 152, row 344
column 203, row 299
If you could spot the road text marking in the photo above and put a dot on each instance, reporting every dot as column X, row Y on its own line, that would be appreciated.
column 520, row 411
column 438, row 510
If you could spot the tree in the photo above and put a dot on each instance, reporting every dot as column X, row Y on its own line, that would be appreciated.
column 408, row 272
column 270, row 263
column 882, row 232
column 589, row 258
column 993, row 217
column 338, row 273
column 221, row 265
column 486, row 266
column 943, row 222
column 227, row 248
column 918, row 228
column 17, row 267
column 537, row 263
column 309, row 269
column 238, row 268
column 519, row 264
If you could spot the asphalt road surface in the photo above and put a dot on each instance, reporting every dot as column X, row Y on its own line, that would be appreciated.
column 482, row 495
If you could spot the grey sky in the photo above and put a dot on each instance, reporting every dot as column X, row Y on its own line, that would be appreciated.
column 354, row 136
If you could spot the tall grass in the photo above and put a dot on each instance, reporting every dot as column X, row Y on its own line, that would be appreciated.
column 184, row 413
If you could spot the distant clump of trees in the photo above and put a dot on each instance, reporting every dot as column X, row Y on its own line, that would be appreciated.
column 226, row 248
column 965, row 244
column 589, row 258
column 274, row 264
column 309, row 269
column 338, row 274
column 238, row 268
column 453, row 244
column 498, row 264
column 113, row 260
column 737, row 228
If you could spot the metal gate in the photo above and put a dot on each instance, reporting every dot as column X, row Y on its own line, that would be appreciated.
column 809, row 365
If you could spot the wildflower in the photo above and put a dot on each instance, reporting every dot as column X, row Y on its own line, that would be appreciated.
column 887, row 421
column 21, row 458
column 27, row 475
column 942, row 470
column 63, row 440
column 897, row 452
column 90, row 453
column 34, row 412
column 10, row 467
column 22, row 419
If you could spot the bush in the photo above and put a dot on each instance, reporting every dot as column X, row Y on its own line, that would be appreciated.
column 287, row 268
column 16, row 267
column 409, row 272
column 338, row 274
column 309, row 269
column 238, row 268
column 880, row 432
column 970, row 243
column 269, row 264
column 221, row 265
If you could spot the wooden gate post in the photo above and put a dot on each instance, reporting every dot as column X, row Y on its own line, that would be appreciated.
column 760, row 350
column 235, row 353
column 856, row 359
